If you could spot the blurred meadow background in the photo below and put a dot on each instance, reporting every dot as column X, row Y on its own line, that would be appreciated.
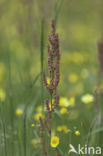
column 24, row 29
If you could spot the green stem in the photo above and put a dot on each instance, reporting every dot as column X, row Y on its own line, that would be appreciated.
column 5, row 139
column 19, row 143
column 57, row 10
column 51, row 115
column 25, row 132
column 42, row 60
column 4, row 129
column 11, row 102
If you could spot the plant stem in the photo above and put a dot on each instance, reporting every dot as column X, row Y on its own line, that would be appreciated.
column 57, row 10
column 5, row 139
column 51, row 119
column 11, row 102
column 4, row 129
column 25, row 132
column 41, row 60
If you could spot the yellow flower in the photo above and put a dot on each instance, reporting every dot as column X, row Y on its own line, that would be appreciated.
column 65, row 129
column 73, row 78
column 59, row 128
column 54, row 141
column 39, row 109
column 48, row 80
column 50, row 104
column 72, row 101
column 63, row 111
column 2, row 94
column 77, row 133
column 32, row 125
column 19, row 112
column 37, row 116
column 87, row 98
column 64, row 102
column 35, row 142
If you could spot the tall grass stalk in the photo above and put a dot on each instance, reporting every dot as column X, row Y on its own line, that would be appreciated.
column 58, row 7
column 19, row 143
column 11, row 102
column 25, row 117
column 4, row 127
column 5, row 143
column 35, row 80
column 42, row 60
column 42, row 64
column 24, row 126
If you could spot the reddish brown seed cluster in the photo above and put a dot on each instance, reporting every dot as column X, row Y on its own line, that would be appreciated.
column 47, row 127
column 54, row 73
column 56, row 102
column 53, row 68
column 53, row 61
column 100, row 54
column 54, row 76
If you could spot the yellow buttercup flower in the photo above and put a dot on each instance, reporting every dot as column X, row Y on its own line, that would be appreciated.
column 59, row 128
column 73, row 78
column 54, row 141
column 72, row 101
column 48, row 80
column 63, row 111
column 88, row 98
column 77, row 133
column 63, row 128
column 2, row 94
column 64, row 102
column 19, row 112
column 37, row 116
column 32, row 125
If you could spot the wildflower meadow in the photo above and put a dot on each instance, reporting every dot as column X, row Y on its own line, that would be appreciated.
column 51, row 77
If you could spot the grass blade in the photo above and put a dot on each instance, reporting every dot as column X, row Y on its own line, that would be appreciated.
column 57, row 11
column 42, row 60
